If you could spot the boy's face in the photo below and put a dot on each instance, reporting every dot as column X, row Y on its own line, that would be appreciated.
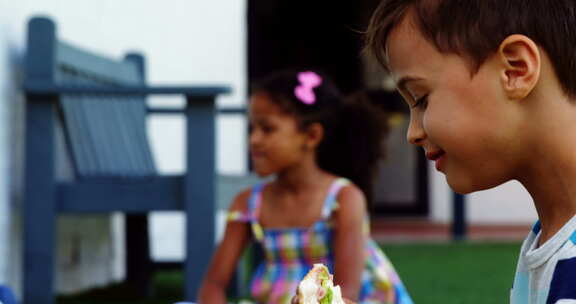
column 463, row 121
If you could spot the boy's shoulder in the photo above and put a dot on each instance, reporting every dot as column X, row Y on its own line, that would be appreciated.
column 561, row 285
column 549, row 270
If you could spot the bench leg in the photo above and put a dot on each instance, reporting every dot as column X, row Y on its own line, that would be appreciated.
column 199, row 200
column 39, row 214
column 39, row 242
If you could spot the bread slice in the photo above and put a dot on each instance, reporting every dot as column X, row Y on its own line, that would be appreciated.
column 317, row 287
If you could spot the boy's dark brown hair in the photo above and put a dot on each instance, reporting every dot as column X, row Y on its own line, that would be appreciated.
column 474, row 29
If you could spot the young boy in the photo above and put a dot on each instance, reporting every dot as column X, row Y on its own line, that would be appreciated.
column 492, row 90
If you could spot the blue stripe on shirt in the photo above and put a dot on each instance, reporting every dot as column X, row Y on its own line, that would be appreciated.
column 536, row 227
column 563, row 285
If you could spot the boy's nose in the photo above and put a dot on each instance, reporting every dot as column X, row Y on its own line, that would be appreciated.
column 416, row 134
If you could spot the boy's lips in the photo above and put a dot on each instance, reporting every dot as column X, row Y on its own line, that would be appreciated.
column 436, row 156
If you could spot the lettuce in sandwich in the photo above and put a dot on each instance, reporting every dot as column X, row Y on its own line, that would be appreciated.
column 317, row 287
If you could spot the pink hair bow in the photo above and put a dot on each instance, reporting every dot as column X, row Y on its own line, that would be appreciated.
column 304, row 91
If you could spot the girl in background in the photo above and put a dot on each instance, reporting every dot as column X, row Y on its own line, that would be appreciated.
column 322, row 152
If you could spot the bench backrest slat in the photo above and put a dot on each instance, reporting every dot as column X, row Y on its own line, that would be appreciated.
column 99, row 68
column 106, row 134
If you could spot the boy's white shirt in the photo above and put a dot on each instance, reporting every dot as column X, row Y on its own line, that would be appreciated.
column 537, row 266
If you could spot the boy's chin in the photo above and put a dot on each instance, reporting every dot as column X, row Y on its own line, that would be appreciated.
column 466, row 186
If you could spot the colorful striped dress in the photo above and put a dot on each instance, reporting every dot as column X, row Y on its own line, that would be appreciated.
column 290, row 253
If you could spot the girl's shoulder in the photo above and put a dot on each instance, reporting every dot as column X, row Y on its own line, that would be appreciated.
column 346, row 190
column 241, row 199
column 351, row 202
column 350, row 192
column 239, row 209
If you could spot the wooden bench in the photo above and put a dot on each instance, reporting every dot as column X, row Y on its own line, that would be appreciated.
column 92, row 110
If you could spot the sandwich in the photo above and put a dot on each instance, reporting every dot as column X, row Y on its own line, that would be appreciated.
column 317, row 287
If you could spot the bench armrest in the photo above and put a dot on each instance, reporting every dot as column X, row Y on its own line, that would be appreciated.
column 189, row 91
column 158, row 110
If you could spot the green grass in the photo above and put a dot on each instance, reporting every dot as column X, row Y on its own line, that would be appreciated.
column 458, row 273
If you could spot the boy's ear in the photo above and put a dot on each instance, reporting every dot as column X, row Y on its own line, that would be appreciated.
column 315, row 135
column 521, row 59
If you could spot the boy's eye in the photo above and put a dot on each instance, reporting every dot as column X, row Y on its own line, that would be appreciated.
column 421, row 102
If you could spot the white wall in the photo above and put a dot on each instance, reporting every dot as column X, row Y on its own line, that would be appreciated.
column 7, row 222
column 506, row 204
column 186, row 42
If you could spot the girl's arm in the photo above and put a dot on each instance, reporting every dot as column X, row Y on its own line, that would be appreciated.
column 225, row 259
column 349, row 241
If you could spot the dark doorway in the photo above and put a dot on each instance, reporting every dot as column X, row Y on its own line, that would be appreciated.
column 318, row 34
column 402, row 185
column 326, row 35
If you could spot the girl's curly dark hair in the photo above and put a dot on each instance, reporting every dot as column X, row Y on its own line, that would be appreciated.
column 354, row 128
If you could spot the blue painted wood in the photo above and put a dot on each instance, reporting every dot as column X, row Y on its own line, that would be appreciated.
column 41, row 54
column 93, row 196
column 103, row 106
column 177, row 111
column 140, row 119
column 107, row 70
column 39, row 204
column 199, row 194
column 233, row 110
column 47, row 88
column 107, row 132
column 459, row 229
column 139, row 265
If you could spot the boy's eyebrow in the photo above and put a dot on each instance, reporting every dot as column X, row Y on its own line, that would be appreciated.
column 401, row 85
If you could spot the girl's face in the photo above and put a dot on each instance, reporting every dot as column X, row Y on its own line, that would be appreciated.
column 463, row 121
column 276, row 143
